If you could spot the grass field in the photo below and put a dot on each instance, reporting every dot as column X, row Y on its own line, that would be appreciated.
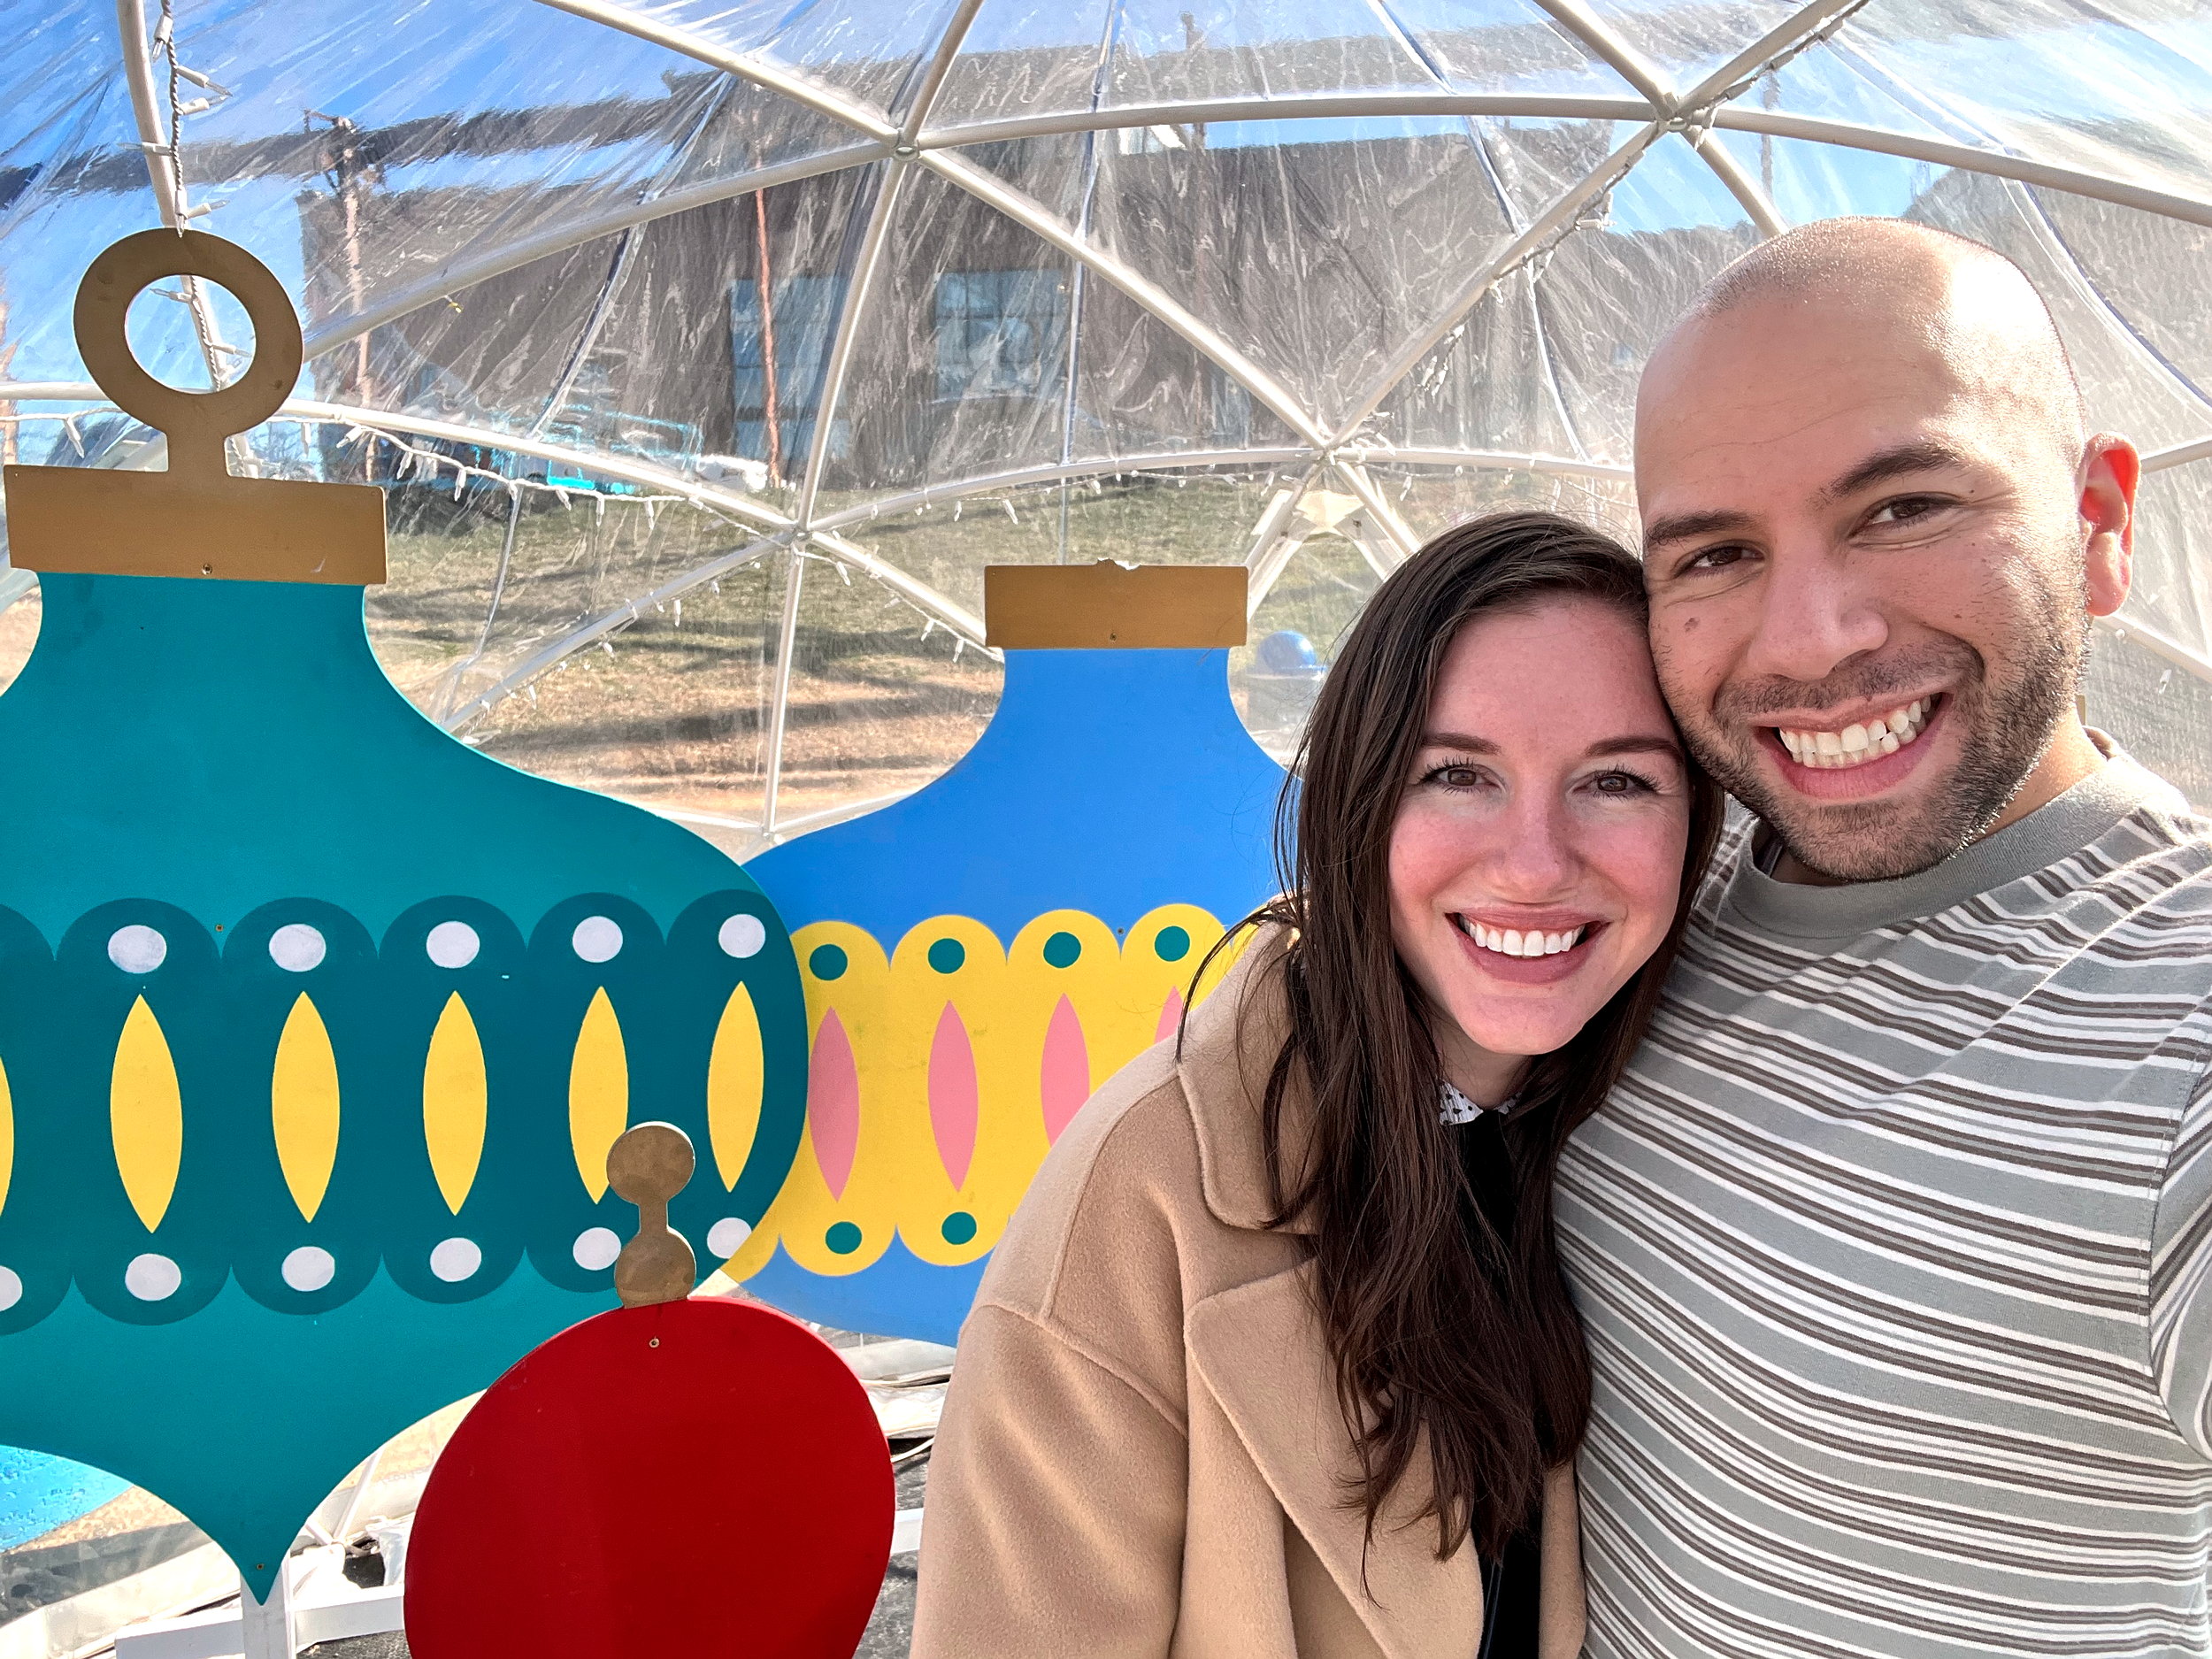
column 674, row 708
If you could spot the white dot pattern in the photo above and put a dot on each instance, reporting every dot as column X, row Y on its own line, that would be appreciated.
column 452, row 945
column 137, row 948
column 743, row 936
column 596, row 1248
column 152, row 1277
column 455, row 1259
column 310, row 1268
column 298, row 948
column 597, row 939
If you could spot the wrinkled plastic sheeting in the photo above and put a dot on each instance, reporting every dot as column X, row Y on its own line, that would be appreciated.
column 710, row 351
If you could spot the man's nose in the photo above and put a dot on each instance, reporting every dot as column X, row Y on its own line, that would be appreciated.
column 1815, row 615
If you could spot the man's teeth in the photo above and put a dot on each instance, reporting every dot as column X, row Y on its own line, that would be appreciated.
column 1855, row 745
column 1510, row 941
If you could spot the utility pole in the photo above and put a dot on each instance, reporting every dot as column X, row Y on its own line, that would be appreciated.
column 346, row 164
column 773, row 445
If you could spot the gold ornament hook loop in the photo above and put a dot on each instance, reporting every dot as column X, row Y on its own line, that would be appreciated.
column 195, row 519
column 196, row 422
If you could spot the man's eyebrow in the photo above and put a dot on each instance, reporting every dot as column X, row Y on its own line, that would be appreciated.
column 1684, row 526
column 1925, row 455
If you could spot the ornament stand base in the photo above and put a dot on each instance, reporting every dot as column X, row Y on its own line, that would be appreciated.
column 311, row 1603
column 267, row 1626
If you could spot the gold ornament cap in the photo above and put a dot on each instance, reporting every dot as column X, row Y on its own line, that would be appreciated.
column 1112, row 606
column 195, row 519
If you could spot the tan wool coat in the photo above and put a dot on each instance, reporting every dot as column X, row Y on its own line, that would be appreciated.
column 1142, row 1452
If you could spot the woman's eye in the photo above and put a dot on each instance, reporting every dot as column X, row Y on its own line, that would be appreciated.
column 1621, row 783
column 1455, row 777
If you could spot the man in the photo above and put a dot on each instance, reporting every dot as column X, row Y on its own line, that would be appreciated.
column 1895, row 1246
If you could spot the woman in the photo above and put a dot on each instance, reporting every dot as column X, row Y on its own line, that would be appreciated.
column 1276, row 1360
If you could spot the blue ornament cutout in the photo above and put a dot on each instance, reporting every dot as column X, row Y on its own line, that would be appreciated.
column 1043, row 905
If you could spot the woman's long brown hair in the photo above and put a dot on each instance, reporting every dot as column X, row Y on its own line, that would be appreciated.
column 1449, row 1342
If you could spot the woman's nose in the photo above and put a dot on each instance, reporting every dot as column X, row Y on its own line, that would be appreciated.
column 1536, row 858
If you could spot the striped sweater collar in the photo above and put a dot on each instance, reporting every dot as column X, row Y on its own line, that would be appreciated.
column 2053, row 832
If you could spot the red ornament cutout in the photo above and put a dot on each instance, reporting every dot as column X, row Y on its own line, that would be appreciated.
column 700, row 1478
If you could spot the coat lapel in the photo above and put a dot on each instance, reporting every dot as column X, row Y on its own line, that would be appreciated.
column 1259, row 1351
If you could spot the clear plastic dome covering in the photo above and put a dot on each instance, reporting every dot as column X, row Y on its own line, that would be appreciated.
column 710, row 351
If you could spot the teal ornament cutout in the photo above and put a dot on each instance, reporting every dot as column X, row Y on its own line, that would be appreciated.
column 224, row 765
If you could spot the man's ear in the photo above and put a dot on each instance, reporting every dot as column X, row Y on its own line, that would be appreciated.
column 2110, row 471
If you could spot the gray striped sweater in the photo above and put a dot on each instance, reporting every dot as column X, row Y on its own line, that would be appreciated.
column 1894, row 1250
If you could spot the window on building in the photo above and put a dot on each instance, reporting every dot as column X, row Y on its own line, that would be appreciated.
column 1002, row 333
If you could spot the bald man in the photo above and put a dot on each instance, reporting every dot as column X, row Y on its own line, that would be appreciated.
column 1894, row 1248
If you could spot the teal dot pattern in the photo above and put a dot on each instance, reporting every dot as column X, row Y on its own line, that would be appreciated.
column 947, row 954
column 1172, row 944
column 1061, row 950
column 826, row 962
column 959, row 1227
column 843, row 1238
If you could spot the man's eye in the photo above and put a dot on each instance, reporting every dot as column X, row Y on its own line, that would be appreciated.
column 1907, row 510
column 1715, row 558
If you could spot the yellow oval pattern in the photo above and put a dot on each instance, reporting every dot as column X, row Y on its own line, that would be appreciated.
column 7, row 1137
column 304, row 1106
column 1004, row 995
column 146, row 1115
column 454, row 1096
column 598, row 1092
column 736, row 1077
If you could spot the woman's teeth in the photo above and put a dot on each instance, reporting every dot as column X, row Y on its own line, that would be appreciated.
column 1855, row 745
column 1508, row 941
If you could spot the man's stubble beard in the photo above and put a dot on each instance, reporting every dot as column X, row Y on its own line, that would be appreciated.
column 2006, row 730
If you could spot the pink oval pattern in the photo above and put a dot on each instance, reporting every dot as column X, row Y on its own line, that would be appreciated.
column 1063, row 1082
column 1171, row 1016
column 833, row 1104
column 952, row 1095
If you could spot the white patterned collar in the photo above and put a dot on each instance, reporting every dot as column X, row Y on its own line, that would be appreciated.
column 1454, row 1106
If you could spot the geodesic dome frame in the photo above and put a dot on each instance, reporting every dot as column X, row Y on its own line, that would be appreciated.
column 777, row 295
